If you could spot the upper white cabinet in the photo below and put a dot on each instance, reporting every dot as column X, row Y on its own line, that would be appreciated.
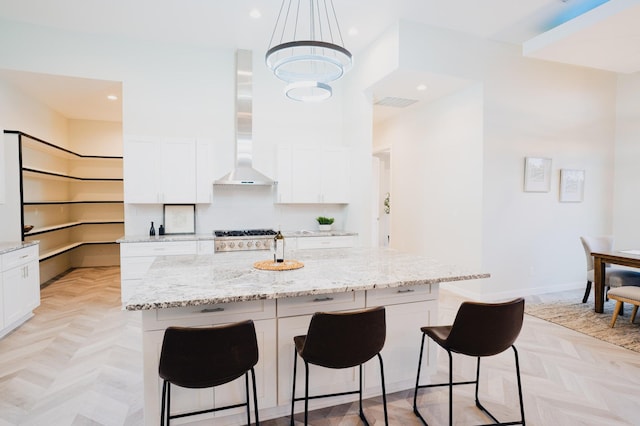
column 309, row 175
column 141, row 170
column 177, row 171
column 204, row 171
column 166, row 171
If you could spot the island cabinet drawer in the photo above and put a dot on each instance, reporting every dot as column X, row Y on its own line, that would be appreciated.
column 219, row 313
column 304, row 305
column 164, row 248
column 398, row 295
column 19, row 257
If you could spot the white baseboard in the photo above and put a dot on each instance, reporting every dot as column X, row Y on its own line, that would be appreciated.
column 496, row 296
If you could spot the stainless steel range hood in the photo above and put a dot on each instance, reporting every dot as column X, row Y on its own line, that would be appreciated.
column 244, row 173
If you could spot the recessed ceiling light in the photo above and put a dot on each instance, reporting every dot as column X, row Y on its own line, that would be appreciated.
column 422, row 87
column 353, row 31
column 112, row 97
column 255, row 13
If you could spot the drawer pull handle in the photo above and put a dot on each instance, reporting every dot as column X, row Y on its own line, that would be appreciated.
column 209, row 310
column 23, row 256
column 406, row 290
column 323, row 299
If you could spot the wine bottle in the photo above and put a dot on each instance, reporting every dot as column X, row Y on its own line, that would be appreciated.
column 278, row 246
column 152, row 230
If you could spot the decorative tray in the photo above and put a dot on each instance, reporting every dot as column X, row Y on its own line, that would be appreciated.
column 270, row 265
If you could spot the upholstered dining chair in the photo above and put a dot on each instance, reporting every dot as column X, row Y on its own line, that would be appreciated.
column 614, row 277
column 341, row 340
column 479, row 330
column 204, row 357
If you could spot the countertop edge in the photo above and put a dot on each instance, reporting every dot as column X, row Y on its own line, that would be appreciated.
column 7, row 247
column 282, row 295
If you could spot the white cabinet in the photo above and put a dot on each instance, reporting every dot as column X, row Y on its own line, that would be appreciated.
column 136, row 259
column 141, row 169
column 407, row 309
column 167, row 171
column 204, row 171
column 177, row 172
column 335, row 175
column 313, row 174
column 20, row 287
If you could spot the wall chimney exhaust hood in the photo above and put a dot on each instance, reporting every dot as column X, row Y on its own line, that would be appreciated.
column 244, row 173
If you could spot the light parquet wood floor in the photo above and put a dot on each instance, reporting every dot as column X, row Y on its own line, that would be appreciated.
column 78, row 362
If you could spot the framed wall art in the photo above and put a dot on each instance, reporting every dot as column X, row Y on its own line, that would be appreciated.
column 537, row 174
column 571, row 185
column 180, row 218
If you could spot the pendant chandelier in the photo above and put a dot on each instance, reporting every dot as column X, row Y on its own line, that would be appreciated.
column 306, row 49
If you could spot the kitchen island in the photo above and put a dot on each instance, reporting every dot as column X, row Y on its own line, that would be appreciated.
column 198, row 290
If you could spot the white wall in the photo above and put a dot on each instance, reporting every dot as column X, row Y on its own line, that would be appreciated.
column 536, row 108
column 91, row 137
column 436, row 158
column 627, row 173
column 529, row 242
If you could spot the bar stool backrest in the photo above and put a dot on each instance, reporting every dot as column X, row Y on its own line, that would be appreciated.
column 485, row 329
column 209, row 356
column 344, row 339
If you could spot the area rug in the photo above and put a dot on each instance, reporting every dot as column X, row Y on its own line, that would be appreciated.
column 566, row 309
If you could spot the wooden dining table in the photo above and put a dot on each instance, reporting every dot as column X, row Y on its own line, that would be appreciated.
column 600, row 260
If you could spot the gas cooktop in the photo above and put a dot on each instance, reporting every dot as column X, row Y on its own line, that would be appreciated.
column 245, row 233
column 242, row 240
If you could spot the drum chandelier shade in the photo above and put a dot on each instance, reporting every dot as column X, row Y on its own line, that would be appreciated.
column 306, row 49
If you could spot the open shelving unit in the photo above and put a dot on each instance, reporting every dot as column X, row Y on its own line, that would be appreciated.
column 73, row 201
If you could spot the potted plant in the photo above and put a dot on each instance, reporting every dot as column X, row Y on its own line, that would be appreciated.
column 324, row 223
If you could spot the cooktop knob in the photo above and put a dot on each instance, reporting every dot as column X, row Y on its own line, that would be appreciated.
column 232, row 245
column 240, row 244
column 250, row 243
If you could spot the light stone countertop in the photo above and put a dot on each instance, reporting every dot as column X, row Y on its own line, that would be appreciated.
column 175, row 281
column 205, row 237
column 165, row 238
column 7, row 246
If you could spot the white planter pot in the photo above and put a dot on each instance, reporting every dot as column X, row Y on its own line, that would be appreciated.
column 324, row 227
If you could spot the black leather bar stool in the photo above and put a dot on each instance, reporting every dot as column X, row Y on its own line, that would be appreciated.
column 208, row 357
column 341, row 340
column 479, row 330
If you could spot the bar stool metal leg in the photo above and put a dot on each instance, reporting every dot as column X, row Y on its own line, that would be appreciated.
column 384, row 391
column 255, row 397
column 293, row 392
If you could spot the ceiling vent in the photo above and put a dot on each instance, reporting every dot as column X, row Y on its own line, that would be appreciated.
column 394, row 102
